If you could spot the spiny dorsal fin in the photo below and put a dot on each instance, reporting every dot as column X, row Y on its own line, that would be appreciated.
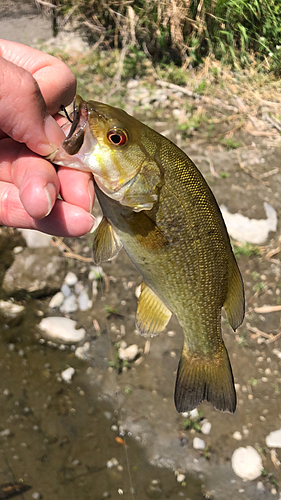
column 106, row 243
column 152, row 314
column 205, row 378
column 235, row 302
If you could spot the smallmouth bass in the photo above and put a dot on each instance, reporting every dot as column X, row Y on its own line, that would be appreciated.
column 157, row 205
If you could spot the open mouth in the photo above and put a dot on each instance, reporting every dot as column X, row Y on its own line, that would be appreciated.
column 78, row 120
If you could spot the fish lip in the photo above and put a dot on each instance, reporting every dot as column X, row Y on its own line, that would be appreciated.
column 75, row 136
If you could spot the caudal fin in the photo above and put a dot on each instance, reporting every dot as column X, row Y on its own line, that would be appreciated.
column 202, row 378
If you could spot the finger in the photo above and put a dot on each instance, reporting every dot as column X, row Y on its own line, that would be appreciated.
column 77, row 187
column 23, row 113
column 35, row 178
column 64, row 220
column 56, row 81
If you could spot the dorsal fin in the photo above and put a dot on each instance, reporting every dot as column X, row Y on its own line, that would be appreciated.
column 106, row 243
column 152, row 314
column 234, row 304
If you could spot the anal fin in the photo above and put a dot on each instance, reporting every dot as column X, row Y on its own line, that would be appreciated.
column 202, row 378
column 106, row 243
column 152, row 314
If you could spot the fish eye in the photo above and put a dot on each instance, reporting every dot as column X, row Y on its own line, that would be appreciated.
column 117, row 137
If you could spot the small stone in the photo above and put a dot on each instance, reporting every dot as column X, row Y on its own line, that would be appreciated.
column 61, row 329
column 36, row 495
column 247, row 463
column 206, row 427
column 70, row 279
column 96, row 273
column 17, row 250
column 83, row 301
column 5, row 433
column 82, row 351
column 56, row 300
column 198, row 444
column 237, row 435
column 10, row 309
column 69, row 305
column 65, row 290
column 113, row 462
column 260, row 486
column 273, row 440
column 129, row 353
column 67, row 374
column 180, row 478
column 194, row 413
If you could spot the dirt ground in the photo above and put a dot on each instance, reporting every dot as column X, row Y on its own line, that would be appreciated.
column 61, row 436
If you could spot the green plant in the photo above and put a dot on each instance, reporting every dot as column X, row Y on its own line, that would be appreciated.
column 258, row 287
column 193, row 422
column 224, row 175
column 253, row 381
column 246, row 249
column 117, row 363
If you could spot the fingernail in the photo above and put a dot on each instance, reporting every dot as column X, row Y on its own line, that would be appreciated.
column 93, row 224
column 91, row 193
column 54, row 135
column 51, row 194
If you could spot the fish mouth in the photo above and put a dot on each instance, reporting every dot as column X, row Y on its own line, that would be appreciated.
column 79, row 142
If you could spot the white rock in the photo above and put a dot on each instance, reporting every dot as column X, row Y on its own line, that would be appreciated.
column 237, row 435
column 67, row 374
column 69, row 305
column 255, row 231
column 96, row 272
column 206, row 427
column 81, row 352
column 112, row 463
column 61, row 329
column 10, row 308
column 198, row 444
column 70, row 279
column 65, row 290
column 180, row 478
column 273, row 440
column 247, row 463
column 17, row 250
column 129, row 353
column 56, row 300
column 35, row 239
column 84, row 302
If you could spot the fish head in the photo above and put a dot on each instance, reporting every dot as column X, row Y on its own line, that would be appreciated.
column 109, row 143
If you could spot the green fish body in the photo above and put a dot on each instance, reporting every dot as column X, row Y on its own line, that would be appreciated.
column 157, row 205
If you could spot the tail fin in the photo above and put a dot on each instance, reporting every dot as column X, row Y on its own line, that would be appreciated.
column 205, row 378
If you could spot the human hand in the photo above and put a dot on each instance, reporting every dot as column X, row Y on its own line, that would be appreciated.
column 33, row 86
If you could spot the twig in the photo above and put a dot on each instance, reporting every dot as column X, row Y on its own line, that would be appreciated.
column 275, row 123
column 248, row 172
column 211, row 165
column 267, row 309
column 67, row 252
column 46, row 4
column 258, row 333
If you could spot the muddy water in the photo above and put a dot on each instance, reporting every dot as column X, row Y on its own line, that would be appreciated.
column 58, row 437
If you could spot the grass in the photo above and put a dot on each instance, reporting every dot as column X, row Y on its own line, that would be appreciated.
column 247, row 250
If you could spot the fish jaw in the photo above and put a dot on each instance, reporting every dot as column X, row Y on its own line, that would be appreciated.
column 133, row 183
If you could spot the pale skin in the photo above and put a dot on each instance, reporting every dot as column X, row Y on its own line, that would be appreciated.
column 33, row 86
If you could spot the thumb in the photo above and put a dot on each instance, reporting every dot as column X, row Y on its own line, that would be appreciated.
column 23, row 112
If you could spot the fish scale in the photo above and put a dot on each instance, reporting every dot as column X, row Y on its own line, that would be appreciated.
column 157, row 205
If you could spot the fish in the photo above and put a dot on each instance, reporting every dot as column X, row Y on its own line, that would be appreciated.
column 157, row 205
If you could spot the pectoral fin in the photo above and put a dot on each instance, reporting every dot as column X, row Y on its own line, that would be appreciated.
column 152, row 314
column 202, row 378
column 235, row 302
column 106, row 243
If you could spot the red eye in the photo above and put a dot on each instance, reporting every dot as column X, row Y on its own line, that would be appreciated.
column 117, row 137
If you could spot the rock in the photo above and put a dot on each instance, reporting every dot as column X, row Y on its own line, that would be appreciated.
column 237, row 435
column 255, row 231
column 113, row 462
column 10, row 311
column 198, row 444
column 273, row 440
column 81, row 352
column 84, row 302
column 37, row 272
column 96, row 272
column 129, row 353
column 69, row 305
column 65, row 290
column 67, row 374
column 70, row 279
column 56, row 300
column 247, row 463
column 206, row 427
column 36, row 239
column 61, row 329
column 180, row 478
